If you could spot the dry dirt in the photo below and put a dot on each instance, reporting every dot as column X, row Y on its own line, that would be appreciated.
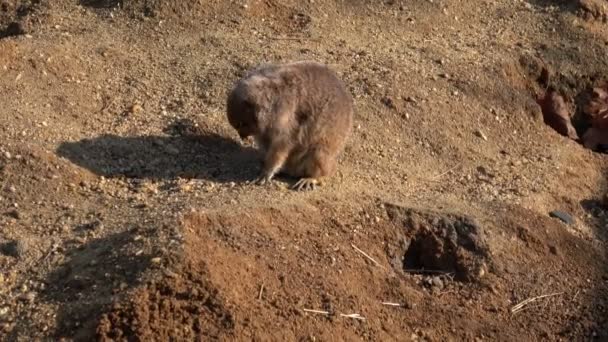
column 125, row 208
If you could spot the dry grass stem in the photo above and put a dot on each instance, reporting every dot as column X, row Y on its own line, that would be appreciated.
column 355, row 316
column 294, row 38
column 320, row 312
column 261, row 292
column 368, row 257
column 391, row 304
column 520, row 306
column 435, row 178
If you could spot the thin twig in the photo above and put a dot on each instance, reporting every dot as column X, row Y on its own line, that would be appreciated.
column 316, row 311
column 261, row 291
column 368, row 257
column 445, row 292
column 293, row 38
column 435, row 178
column 355, row 316
column 391, row 304
column 518, row 307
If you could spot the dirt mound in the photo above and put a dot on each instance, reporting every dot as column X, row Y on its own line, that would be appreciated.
column 259, row 273
column 182, row 306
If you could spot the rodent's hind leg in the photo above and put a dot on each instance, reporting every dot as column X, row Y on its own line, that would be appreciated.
column 317, row 165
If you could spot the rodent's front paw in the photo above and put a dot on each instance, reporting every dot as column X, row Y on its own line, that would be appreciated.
column 263, row 179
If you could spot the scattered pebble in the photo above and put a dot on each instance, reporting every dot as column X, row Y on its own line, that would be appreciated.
column 553, row 250
column 437, row 282
column 480, row 134
column 29, row 297
column 135, row 109
column 16, row 214
column 562, row 216
column 15, row 248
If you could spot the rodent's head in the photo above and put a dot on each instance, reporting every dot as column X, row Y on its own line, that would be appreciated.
column 246, row 106
column 241, row 112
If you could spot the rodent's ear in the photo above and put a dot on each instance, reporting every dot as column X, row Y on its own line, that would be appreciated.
column 256, row 82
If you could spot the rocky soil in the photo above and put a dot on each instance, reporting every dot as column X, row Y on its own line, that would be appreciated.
column 126, row 211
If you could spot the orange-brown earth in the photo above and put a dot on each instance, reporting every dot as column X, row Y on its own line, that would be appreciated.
column 125, row 211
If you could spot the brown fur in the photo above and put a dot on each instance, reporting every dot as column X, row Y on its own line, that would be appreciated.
column 299, row 113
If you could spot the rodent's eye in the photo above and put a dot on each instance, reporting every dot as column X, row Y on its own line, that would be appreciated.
column 249, row 106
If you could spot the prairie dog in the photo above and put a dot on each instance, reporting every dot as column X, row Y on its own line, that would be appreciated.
column 300, row 115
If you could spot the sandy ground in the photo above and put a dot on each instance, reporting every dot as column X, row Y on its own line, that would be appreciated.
column 125, row 208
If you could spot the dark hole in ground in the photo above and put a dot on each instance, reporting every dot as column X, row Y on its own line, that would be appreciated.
column 441, row 243
column 428, row 254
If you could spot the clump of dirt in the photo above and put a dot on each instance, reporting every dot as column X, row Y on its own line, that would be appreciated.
column 181, row 306
column 594, row 9
column 17, row 17
column 441, row 243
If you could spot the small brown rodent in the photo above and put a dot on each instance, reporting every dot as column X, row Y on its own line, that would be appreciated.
column 300, row 115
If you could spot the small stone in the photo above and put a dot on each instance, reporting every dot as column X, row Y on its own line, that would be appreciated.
column 4, row 311
column 136, row 108
column 480, row 134
column 29, row 297
column 437, row 282
column 7, row 155
column 410, row 99
column 562, row 216
column 94, row 225
column 14, row 214
column 156, row 260
column 553, row 250
column 15, row 248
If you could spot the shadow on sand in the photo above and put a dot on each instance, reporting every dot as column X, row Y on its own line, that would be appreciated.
column 203, row 155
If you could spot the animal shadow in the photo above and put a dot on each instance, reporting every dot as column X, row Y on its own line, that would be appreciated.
column 183, row 154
